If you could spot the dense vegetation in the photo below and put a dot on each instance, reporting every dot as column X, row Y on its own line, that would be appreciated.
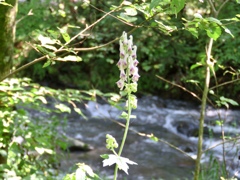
column 175, row 48
column 167, row 54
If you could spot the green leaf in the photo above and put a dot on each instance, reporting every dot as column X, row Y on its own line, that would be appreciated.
column 130, row 11
column 195, row 65
column 126, row 18
column 48, row 63
column 64, row 34
column 154, row 4
column 80, row 174
column 154, row 138
column 104, row 156
column 63, row 108
column 214, row 31
column 120, row 161
column 6, row 4
column 50, row 47
column 227, row 31
column 211, row 19
column 230, row 101
column 177, row 6
column 193, row 31
column 77, row 110
column 124, row 115
column 41, row 98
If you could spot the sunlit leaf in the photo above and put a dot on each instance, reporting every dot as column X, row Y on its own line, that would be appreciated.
column 195, row 65
column 130, row 11
column 50, row 47
column 70, row 58
column 193, row 31
column 154, row 138
column 64, row 34
column 5, row 4
column 48, row 63
column 227, row 31
column 127, row 3
column 120, row 161
column 127, row 18
column 214, row 31
column 211, row 19
column 41, row 98
column 46, row 40
column 80, row 174
column 63, row 108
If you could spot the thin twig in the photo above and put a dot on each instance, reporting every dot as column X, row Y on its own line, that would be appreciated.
column 181, row 87
column 93, row 24
column 225, row 83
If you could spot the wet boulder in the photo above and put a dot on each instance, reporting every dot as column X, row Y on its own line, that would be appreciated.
column 190, row 129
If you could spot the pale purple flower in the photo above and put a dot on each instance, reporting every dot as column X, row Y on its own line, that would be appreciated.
column 130, row 43
column 135, row 76
column 120, row 84
column 123, row 75
column 135, row 62
column 128, row 60
column 134, row 52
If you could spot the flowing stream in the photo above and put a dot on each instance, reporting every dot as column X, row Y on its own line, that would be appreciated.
column 173, row 121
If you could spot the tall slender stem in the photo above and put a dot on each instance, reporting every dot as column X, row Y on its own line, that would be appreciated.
column 203, row 109
column 127, row 123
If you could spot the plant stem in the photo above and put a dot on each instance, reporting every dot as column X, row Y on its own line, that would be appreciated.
column 203, row 108
column 129, row 109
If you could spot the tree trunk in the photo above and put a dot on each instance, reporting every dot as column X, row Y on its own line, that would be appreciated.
column 7, row 35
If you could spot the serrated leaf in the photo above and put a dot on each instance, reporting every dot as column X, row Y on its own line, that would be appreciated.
column 120, row 161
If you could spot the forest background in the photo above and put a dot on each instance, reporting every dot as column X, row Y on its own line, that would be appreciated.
column 171, row 37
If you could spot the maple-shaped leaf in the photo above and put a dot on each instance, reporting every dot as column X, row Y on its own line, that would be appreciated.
column 122, row 162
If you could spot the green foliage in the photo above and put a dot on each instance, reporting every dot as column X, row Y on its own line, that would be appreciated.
column 213, row 169
column 30, row 141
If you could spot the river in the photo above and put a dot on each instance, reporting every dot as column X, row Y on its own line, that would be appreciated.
column 169, row 120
